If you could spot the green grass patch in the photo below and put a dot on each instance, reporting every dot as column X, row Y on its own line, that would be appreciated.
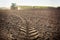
column 31, row 7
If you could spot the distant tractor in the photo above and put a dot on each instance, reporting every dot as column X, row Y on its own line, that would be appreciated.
column 13, row 6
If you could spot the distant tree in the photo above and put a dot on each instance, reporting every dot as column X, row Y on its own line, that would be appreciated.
column 58, row 7
column 13, row 6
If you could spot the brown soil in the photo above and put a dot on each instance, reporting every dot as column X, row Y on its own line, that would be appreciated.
column 37, row 24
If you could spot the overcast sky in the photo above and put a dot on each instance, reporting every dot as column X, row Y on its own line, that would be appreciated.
column 7, row 3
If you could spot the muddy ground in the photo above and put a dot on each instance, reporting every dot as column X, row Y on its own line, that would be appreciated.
column 33, row 24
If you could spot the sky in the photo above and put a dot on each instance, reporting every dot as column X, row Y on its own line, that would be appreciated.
column 7, row 3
